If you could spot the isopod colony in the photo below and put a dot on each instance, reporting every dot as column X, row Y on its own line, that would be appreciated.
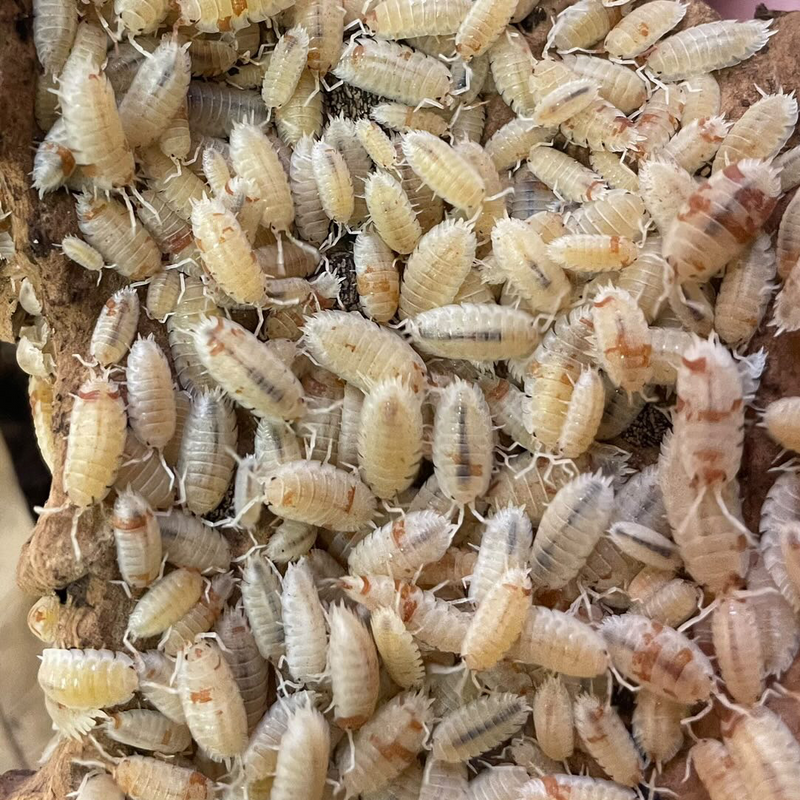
column 452, row 571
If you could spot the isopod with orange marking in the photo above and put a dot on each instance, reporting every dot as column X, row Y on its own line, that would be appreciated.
column 553, row 719
column 361, row 352
column 659, row 658
column 156, row 94
column 403, row 19
column 399, row 652
column 444, row 171
column 623, row 339
column 377, row 276
column 513, row 141
column 603, row 734
column 556, row 786
column 643, row 27
column 95, row 442
column 463, row 442
column 247, row 370
column 665, row 187
column 696, row 143
column 211, row 701
column 717, row 771
column 334, row 182
column 96, row 136
column 391, row 212
column 497, row 621
column 659, row 120
column 87, row 678
column 592, row 252
column 353, row 664
column 394, row 71
column 138, row 540
column 54, row 162
column 43, row 618
column 320, row 494
column 705, row 48
column 286, row 65
column 115, row 327
column 482, row 25
column 571, row 525
column 744, row 293
column 205, row 464
column 564, row 175
column 226, row 252
column 710, row 414
column 387, row 745
column 562, row 643
column 107, row 227
column 151, row 397
column 765, row 751
column 148, row 730
column 735, row 634
column 601, row 126
column 657, row 727
column 142, row 778
column 478, row 726
column 256, row 160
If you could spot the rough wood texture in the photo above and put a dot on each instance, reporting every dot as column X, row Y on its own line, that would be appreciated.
column 71, row 302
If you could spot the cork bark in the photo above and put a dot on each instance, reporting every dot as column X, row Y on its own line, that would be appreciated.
column 71, row 301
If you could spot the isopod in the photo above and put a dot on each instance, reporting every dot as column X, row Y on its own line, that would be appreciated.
column 151, row 398
column 399, row 652
column 482, row 25
column 564, row 175
column 286, row 65
column 138, row 540
column 148, row 730
column 643, row 27
column 141, row 778
column 734, row 628
column 392, row 213
column 115, row 327
column 582, row 25
column 301, row 767
column 377, row 276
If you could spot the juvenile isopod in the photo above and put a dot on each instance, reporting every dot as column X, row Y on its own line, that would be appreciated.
column 211, row 701
column 54, row 27
column 553, row 787
column 399, row 117
column 605, row 737
column 377, row 276
column 163, row 291
column 478, row 726
column 696, row 143
column 87, row 678
column 261, row 595
column 399, row 652
column 643, row 27
column 302, row 114
column 512, row 142
column 564, row 102
column 614, row 171
column 706, row 48
column 54, row 162
column 622, row 87
column 623, row 339
column 148, row 730
column 377, row 144
column 582, row 25
column 592, row 252
column 115, row 327
column 334, row 182
column 247, row 370
column 659, row 658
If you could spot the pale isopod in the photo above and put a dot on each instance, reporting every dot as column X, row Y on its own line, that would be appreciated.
column 211, row 701
column 553, row 719
column 592, row 252
column 141, row 778
column 566, row 101
column 310, row 218
column 301, row 767
column 512, row 63
column 334, row 182
column 399, row 652
column 734, row 628
column 657, row 726
column 643, row 27
column 665, row 187
column 377, row 276
column 247, row 370
column 705, row 48
column 788, row 244
column 582, row 25
column 148, row 730
column 285, row 67
column 513, row 141
column 151, row 398
column 377, row 144
column 659, row 120
column 87, row 678
column 564, row 175
column 392, row 213
column 605, row 737
column 572, row 523
column 478, row 726
column 138, row 540
column 54, row 27
column 115, row 327
column 612, row 170
column 659, row 658
column 622, row 87
column 163, row 291
column 702, row 98
column 483, row 24
column 717, row 770
column 696, row 143
column 206, row 464
column 553, row 787
column 95, row 442
column 399, row 117
column 645, row 545
column 302, row 114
